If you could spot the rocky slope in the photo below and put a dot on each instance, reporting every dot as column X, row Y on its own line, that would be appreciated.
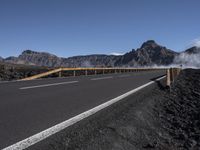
column 150, row 53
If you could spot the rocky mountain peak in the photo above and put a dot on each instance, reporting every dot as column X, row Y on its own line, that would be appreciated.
column 29, row 52
column 149, row 44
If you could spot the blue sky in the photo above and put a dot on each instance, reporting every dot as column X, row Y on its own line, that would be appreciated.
column 79, row 27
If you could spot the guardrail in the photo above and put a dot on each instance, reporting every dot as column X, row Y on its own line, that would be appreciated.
column 171, row 73
column 94, row 71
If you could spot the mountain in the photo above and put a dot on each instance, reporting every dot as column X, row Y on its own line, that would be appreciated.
column 150, row 53
column 91, row 61
column 193, row 50
column 15, row 60
column 46, row 59
column 40, row 58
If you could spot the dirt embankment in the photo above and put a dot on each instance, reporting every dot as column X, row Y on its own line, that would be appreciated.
column 153, row 118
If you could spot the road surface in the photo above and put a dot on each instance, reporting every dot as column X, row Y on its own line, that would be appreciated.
column 29, row 107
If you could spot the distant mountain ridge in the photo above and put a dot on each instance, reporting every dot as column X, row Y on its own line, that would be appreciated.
column 150, row 53
column 193, row 50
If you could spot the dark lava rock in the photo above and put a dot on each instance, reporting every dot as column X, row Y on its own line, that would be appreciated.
column 181, row 110
column 14, row 72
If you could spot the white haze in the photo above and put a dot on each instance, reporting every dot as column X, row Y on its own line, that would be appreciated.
column 183, row 60
column 188, row 60
column 116, row 53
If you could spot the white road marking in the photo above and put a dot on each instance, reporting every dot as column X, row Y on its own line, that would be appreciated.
column 102, row 78
column 50, row 131
column 46, row 85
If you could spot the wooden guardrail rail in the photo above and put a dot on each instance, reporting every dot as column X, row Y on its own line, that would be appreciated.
column 43, row 74
column 95, row 70
column 172, row 73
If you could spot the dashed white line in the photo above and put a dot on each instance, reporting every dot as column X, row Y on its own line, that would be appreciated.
column 50, row 131
column 102, row 78
column 46, row 85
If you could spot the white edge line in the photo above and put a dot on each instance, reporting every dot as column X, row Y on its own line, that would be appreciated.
column 102, row 78
column 46, row 85
column 52, row 130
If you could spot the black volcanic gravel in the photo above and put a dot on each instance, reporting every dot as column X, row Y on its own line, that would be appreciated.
column 153, row 118
column 180, row 110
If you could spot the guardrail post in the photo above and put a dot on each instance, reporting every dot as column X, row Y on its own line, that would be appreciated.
column 95, row 72
column 60, row 74
column 86, row 72
column 172, row 73
column 103, row 71
column 74, row 73
column 168, row 78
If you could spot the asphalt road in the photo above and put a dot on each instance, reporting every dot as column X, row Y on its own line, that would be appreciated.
column 29, row 107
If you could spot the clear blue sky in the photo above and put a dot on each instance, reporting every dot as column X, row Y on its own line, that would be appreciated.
column 78, row 27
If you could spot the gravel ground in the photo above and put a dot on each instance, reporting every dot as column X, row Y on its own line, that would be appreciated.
column 153, row 118
column 179, row 111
